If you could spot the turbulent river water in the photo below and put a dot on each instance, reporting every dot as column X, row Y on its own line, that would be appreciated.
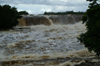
column 39, row 45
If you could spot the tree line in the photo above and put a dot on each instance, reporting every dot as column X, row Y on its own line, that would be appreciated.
column 64, row 13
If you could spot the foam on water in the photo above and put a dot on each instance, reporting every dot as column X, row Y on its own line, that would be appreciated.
column 44, row 42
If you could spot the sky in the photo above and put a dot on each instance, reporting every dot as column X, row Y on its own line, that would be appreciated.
column 41, row 6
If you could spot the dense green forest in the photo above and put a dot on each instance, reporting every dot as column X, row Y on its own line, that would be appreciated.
column 64, row 13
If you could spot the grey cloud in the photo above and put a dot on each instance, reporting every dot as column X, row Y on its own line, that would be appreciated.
column 69, row 8
column 40, row 6
column 47, row 2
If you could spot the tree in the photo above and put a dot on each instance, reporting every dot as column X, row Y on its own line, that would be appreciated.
column 8, row 17
column 91, row 38
column 23, row 13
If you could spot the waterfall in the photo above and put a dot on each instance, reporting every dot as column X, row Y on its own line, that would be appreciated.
column 49, row 20
column 34, row 20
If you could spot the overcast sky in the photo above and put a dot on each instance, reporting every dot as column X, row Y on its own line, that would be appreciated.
column 41, row 6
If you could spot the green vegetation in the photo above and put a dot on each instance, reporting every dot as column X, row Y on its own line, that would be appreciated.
column 63, row 13
column 23, row 13
column 91, row 38
column 9, row 16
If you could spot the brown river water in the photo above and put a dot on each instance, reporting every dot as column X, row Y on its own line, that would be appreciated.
column 40, row 45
